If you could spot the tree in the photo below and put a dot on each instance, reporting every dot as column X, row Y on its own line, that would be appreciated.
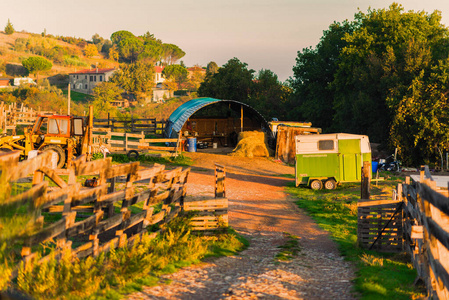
column 9, row 29
column 212, row 68
column 36, row 64
column 233, row 82
column 195, row 78
column 269, row 96
column 137, row 78
column 177, row 73
column 90, row 50
column 313, row 97
column 104, row 93
column 113, row 53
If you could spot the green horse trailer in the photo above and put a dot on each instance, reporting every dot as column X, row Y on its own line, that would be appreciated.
column 326, row 160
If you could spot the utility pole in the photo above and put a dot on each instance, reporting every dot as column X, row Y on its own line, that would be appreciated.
column 68, row 101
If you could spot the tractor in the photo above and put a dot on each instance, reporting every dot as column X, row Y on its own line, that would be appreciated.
column 68, row 136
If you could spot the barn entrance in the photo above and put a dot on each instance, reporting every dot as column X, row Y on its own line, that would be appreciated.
column 214, row 123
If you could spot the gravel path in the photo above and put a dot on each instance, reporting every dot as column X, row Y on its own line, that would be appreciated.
column 263, row 213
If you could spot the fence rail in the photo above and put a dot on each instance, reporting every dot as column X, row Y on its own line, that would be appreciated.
column 426, row 228
column 145, row 125
column 123, row 141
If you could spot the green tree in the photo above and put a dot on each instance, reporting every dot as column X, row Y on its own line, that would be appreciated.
column 104, row 93
column 212, row 68
column 233, row 81
column 9, row 29
column 269, row 96
column 176, row 72
column 36, row 64
column 314, row 72
column 137, row 78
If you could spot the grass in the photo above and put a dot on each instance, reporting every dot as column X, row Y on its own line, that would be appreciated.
column 179, row 160
column 77, row 96
column 122, row 270
column 379, row 275
column 290, row 249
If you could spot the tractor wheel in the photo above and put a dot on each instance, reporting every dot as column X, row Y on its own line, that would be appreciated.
column 133, row 155
column 316, row 184
column 330, row 184
column 60, row 152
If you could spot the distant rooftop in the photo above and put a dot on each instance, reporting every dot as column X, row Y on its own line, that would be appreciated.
column 94, row 71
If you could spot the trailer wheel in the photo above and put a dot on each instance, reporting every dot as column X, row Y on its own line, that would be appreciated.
column 133, row 155
column 330, row 184
column 316, row 184
column 60, row 152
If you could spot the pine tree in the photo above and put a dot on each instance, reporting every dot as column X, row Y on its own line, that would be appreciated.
column 9, row 29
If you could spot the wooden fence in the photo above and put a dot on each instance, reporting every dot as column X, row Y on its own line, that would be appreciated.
column 123, row 141
column 124, row 200
column 145, row 125
column 12, row 115
column 426, row 227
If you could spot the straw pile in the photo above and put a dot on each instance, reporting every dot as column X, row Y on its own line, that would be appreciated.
column 251, row 144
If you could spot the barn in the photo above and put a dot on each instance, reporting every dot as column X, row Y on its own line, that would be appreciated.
column 215, row 121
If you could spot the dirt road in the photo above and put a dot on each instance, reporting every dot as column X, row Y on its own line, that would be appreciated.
column 261, row 211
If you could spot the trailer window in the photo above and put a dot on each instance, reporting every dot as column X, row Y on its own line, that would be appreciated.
column 326, row 145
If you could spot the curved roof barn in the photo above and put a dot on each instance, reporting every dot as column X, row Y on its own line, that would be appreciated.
column 185, row 111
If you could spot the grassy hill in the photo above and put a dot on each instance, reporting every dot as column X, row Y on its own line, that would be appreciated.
column 66, row 57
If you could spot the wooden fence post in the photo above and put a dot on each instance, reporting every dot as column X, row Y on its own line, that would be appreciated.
column 220, row 176
column 366, row 180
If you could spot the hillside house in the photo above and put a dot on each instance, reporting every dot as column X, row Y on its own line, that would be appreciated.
column 85, row 80
column 158, row 77
column 4, row 82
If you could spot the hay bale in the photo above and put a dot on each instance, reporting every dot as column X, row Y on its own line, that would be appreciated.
column 251, row 144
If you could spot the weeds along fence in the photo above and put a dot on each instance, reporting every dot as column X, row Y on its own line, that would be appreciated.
column 426, row 228
column 124, row 202
column 123, row 141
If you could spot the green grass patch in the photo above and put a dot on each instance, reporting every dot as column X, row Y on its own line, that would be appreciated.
column 379, row 275
column 180, row 160
column 78, row 97
column 290, row 249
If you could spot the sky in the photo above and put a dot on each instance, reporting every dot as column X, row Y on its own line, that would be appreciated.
column 265, row 34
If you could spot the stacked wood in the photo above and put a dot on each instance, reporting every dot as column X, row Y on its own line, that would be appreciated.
column 107, row 215
column 285, row 141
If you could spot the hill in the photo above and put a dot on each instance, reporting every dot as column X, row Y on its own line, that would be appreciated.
column 66, row 57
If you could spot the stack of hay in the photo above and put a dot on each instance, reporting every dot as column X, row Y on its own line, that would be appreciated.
column 251, row 144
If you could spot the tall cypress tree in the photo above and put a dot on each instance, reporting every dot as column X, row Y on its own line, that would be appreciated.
column 9, row 29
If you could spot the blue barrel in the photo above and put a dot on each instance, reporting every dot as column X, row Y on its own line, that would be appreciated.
column 374, row 166
column 191, row 144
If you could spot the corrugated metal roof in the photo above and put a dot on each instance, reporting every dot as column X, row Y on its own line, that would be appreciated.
column 183, row 113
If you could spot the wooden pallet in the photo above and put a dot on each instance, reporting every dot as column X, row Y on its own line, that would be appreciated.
column 210, row 214
column 380, row 225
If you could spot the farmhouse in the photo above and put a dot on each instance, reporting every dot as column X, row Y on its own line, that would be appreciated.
column 85, row 80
